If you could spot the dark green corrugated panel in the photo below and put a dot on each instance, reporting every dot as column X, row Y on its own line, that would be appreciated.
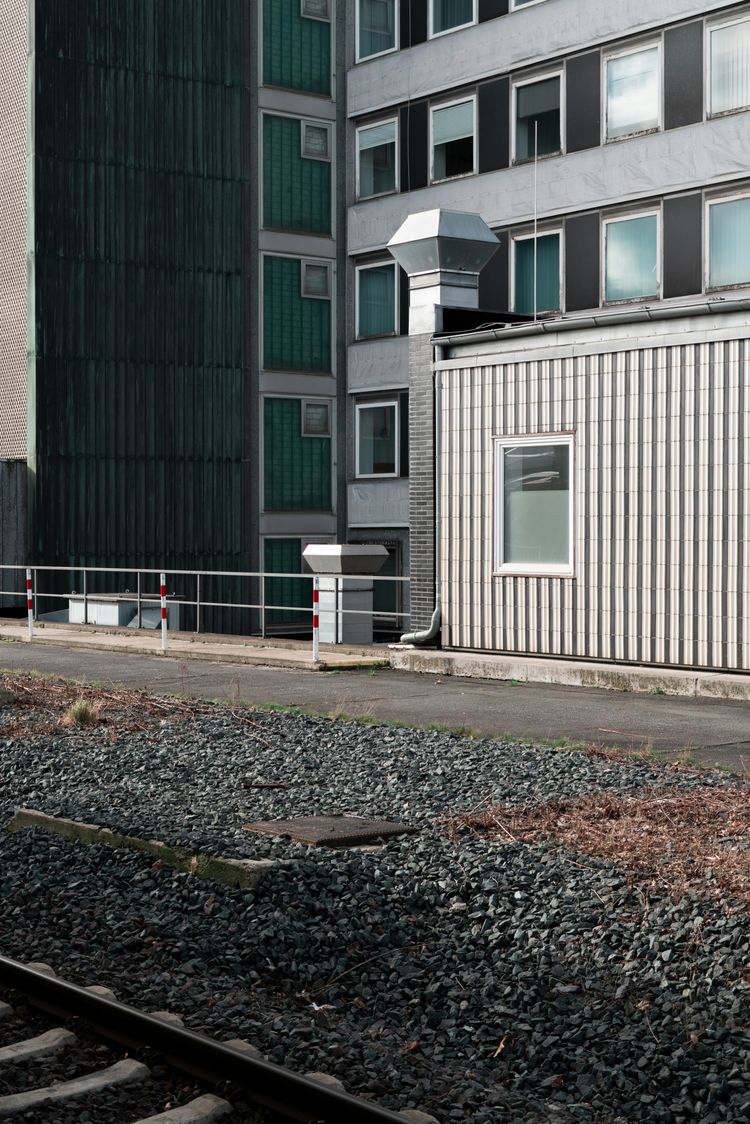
column 284, row 556
column 296, row 49
column 296, row 189
column 140, row 284
column 296, row 329
column 297, row 469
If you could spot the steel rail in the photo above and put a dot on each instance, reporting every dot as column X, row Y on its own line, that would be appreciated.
column 288, row 1093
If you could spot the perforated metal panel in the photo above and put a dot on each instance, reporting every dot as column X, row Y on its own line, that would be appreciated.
column 13, row 144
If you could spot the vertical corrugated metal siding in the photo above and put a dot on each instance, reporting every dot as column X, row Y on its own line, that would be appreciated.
column 12, row 528
column 662, row 476
column 139, row 283
column 13, row 226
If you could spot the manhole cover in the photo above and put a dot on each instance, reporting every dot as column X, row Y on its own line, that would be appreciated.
column 332, row 831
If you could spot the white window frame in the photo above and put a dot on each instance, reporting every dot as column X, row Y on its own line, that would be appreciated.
column 305, row 124
column 397, row 182
column 378, row 403
column 529, row 236
column 709, row 202
column 710, row 27
column 609, row 220
column 396, row 29
column 551, row 569
column 448, row 105
column 632, row 50
column 514, row 113
column 516, row 6
column 312, row 16
column 304, row 264
column 315, row 402
column 358, row 270
column 449, row 30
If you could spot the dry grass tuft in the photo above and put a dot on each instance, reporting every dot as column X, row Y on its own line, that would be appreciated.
column 689, row 839
column 81, row 713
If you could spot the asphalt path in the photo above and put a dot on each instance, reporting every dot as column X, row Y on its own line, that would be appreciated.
column 709, row 731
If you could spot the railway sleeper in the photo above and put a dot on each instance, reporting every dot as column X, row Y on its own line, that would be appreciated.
column 203, row 1110
column 42, row 1046
column 125, row 1072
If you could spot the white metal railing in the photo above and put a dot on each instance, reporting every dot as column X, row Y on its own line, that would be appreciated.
column 28, row 592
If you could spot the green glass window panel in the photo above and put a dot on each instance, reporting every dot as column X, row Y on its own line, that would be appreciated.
column 296, row 189
column 730, row 67
column 296, row 49
column 284, row 556
column 296, row 469
column 453, row 140
column 631, row 254
column 633, row 93
column 536, row 505
column 729, row 241
column 547, row 274
column 377, row 301
column 377, row 159
column 377, row 27
column 538, row 118
column 376, row 440
column 451, row 13
column 296, row 329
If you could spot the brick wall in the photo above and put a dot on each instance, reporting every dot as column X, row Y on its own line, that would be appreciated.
column 421, row 481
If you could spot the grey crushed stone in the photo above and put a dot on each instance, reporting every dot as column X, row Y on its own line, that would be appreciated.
column 473, row 980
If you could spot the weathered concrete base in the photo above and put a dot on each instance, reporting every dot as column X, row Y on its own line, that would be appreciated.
column 243, row 873
column 122, row 1073
column 43, row 1046
column 574, row 673
column 203, row 1110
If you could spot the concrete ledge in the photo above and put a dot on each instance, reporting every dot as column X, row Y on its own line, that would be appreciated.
column 243, row 873
column 574, row 673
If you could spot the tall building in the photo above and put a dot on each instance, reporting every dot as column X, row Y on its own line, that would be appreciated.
column 590, row 465
column 169, row 259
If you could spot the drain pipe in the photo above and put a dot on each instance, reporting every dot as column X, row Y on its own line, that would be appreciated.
column 426, row 636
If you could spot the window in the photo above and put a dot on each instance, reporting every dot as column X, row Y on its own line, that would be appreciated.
column 537, row 117
column 446, row 15
column 534, row 528
column 453, row 139
column 536, row 257
column 730, row 66
column 631, row 258
column 316, row 9
column 316, row 419
column 316, row 279
column 523, row 3
column 376, row 300
column 316, row 141
column 633, row 92
column 376, row 27
column 377, row 439
column 729, row 242
column 376, row 159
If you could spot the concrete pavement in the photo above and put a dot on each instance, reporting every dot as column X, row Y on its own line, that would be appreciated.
column 712, row 731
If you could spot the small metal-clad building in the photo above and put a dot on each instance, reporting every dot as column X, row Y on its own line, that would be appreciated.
column 594, row 478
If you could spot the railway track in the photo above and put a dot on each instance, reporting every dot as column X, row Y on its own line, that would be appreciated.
column 31, row 1088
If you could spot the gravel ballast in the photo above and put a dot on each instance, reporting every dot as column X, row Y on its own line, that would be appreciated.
column 475, row 980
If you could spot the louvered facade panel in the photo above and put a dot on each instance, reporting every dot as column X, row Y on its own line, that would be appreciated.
column 661, row 455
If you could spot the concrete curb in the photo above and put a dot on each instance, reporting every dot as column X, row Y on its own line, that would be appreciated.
column 241, row 873
column 565, row 673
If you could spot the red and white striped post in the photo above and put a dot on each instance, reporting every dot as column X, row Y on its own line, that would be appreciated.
column 163, row 596
column 30, row 604
column 316, row 618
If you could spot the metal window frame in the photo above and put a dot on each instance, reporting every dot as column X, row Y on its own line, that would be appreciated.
column 436, row 108
column 315, row 402
column 710, row 26
column 397, row 182
column 555, row 72
column 378, row 403
column 529, row 236
column 305, row 264
column 711, row 201
column 307, row 123
column 610, row 56
column 519, row 5
column 396, row 29
column 358, row 270
column 542, row 569
column 626, row 216
column 312, row 15
column 432, row 34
